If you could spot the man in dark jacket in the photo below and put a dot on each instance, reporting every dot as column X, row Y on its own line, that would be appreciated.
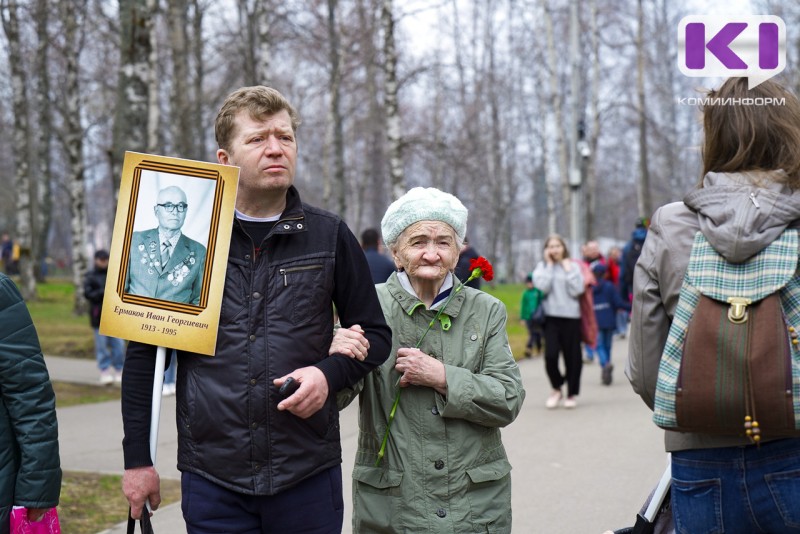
column 380, row 266
column 109, row 351
column 251, row 459
column 462, row 270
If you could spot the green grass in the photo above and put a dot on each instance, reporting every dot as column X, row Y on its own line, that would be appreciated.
column 61, row 332
column 511, row 296
column 69, row 394
column 93, row 502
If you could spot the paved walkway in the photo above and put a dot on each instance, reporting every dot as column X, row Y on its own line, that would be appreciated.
column 576, row 471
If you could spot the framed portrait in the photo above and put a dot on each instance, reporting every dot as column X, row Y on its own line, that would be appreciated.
column 169, row 252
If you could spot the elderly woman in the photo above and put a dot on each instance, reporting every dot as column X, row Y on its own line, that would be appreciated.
column 445, row 468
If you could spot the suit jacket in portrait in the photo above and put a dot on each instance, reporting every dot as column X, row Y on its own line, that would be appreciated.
column 180, row 280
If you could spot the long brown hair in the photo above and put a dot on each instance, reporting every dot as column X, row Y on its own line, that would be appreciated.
column 560, row 239
column 746, row 132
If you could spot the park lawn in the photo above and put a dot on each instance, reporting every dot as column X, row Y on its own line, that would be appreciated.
column 94, row 502
column 511, row 296
column 61, row 332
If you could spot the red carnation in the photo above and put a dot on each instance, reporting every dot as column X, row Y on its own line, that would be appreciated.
column 483, row 264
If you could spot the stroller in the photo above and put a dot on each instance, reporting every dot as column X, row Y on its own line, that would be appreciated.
column 655, row 517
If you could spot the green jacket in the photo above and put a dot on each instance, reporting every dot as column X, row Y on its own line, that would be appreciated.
column 30, row 473
column 531, row 299
column 445, row 468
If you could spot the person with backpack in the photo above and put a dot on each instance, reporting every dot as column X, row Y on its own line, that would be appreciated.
column 747, row 199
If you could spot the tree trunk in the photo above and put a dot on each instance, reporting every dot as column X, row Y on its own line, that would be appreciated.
column 153, row 138
column 263, row 55
column 336, row 135
column 393, row 134
column 644, row 202
column 23, row 184
column 593, row 126
column 43, row 203
column 557, row 105
column 255, row 22
column 371, row 183
column 131, row 117
column 199, row 124
column 181, row 104
column 72, row 12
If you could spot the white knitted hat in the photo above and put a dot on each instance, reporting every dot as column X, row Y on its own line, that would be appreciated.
column 423, row 204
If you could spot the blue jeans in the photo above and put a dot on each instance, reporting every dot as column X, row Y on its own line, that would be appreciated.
column 314, row 506
column 169, row 374
column 734, row 490
column 109, row 351
column 622, row 321
column 605, row 336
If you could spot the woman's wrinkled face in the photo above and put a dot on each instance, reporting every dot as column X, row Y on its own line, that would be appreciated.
column 426, row 250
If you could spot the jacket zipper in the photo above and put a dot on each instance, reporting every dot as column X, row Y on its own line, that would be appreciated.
column 285, row 272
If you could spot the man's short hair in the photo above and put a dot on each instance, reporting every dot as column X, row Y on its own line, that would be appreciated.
column 101, row 254
column 370, row 238
column 259, row 101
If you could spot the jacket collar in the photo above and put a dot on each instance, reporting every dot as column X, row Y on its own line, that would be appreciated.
column 409, row 302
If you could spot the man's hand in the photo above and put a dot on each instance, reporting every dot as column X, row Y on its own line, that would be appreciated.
column 350, row 342
column 420, row 369
column 310, row 396
column 36, row 514
column 140, row 485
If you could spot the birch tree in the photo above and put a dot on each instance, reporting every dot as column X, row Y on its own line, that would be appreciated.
column 72, row 13
column 557, row 107
column 335, row 118
column 131, row 117
column 181, row 104
column 644, row 202
column 393, row 133
column 24, row 185
column 42, row 204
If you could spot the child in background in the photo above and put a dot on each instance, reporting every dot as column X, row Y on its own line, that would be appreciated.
column 606, row 303
column 531, row 300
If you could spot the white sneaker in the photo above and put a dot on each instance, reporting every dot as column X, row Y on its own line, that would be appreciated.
column 106, row 377
column 168, row 390
column 553, row 400
column 118, row 376
column 571, row 403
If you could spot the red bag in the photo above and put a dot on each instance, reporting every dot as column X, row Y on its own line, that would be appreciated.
column 586, row 300
column 21, row 525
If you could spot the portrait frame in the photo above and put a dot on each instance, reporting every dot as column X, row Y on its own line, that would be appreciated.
column 169, row 319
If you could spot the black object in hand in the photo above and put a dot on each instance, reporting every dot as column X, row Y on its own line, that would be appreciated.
column 289, row 386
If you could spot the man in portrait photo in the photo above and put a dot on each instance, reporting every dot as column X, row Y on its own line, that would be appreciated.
column 164, row 263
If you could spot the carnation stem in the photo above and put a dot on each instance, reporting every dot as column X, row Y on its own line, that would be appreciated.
column 381, row 453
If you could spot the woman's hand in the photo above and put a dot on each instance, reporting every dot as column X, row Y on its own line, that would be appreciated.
column 350, row 342
column 566, row 264
column 419, row 369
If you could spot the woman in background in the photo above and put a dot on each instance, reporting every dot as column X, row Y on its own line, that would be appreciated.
column 561, row 281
